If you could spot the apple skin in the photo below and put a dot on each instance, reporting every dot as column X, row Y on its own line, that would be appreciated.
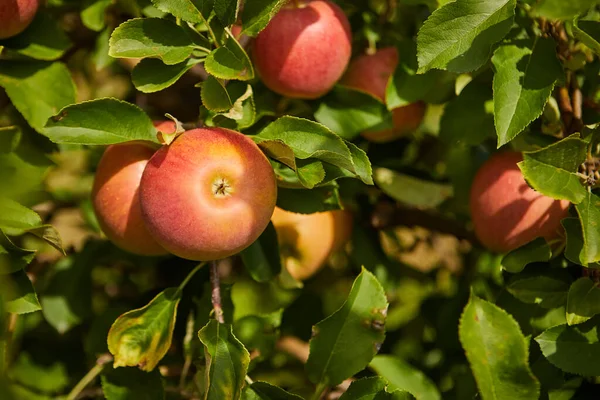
column 115, row 194
column 304, row 51
column 307, row 240
column 370, row 73
column 208, row 195
column 506, row 212
column 16, row 15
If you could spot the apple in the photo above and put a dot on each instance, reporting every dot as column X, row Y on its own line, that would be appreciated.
column 370, row 73
column 506, row 212
column 16, row 15
column 307, row 240
column 208, row 195
column 304, row 49
column 115, row 194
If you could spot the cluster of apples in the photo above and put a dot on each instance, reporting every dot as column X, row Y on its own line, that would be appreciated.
column 16, row 15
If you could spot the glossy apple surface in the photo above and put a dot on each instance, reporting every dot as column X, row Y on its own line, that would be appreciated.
column 506, row 212
column 307, row 240
column 15, row 16
column 304, row 50
column 208, row 195
column 370, row 73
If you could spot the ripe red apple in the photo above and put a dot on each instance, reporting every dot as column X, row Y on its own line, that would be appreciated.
column 304, row 49
column 208, row 195
column 506, row 212
column 15, row 16
column 115, row 194
column 307, row 240
column 370, row 73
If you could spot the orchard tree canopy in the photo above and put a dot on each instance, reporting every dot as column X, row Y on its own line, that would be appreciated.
column 299, row 199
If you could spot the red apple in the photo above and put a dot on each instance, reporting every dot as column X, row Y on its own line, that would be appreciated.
column 506, row 212
column 307, row 240
column 304, row 49
column 370, row 73
column 208, row 195
column 15, row 16
column 115, row 194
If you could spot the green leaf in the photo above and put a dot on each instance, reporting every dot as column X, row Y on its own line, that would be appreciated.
column 552, row 170
column 467, row 118
column 309, row 139
column 257, row 14
column 229, row 62
column 43, row 39
column 542, row 286
column 51, row 83
column 67, row 300
column 152, row 75
column 184, row 9
column 226, row 361
column 348, row 112
column 305, row 201
column 589, row 215
column 534, row 251
column 497, row 352
column 92, row 14
column 151, row 37
column 588, row 32
column 364, row 389
column 142, row 337
column 214, row 95
column 266, row 391
column 101, row 121
column 226, row 11
column 361, row 322
column 100, row 55
column 583, row 301
column 410, row 190
column 262, row 259
column 12, row 257
column 50, row 378
column 17, row 293
column 459, row 35
column 574, row 349
column 575, row 251
column 403, row 376
column 560, row 9
column 132, row 384
column 16, row 219
column 524, row 78
column 259, row 333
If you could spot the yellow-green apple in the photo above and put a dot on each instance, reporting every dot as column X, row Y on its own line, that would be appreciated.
column 307, row 240
column 304, row 49
column 506, row 212
column 370, row 73
column 115, row 194
column 209, row 194
column 15, row 16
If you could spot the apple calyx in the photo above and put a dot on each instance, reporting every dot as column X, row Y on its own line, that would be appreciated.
column 168, row 138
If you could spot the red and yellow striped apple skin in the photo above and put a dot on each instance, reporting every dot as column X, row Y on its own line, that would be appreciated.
column 182, row 194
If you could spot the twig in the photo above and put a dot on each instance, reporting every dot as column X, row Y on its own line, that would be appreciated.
column 566, row 107
column 90, row 376
column 216, row 291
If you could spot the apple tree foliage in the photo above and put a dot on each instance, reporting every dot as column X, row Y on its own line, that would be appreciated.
column 412, row 308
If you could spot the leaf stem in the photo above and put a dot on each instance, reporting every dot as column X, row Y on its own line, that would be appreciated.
column 320, row 389
column 189, row 276
column 92, row 374
column 216, row 291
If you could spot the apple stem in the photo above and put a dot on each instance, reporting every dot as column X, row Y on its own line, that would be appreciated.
column 216, row 291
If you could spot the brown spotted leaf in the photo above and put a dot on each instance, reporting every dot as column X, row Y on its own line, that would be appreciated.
column 142, row 337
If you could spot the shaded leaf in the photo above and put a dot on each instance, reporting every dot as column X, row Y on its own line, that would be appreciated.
column 459, row 35
column 16, row 219
column 13, row 258
column 51, row 83
column 226, row 361
column 184, row 9
column 142, row 337
column 214, row 95
column 573, row 349
column 403, row 376
column 364, row 389
column 261, row 258
column 497, row 352
column 534, row 251
column 524, row 78
column 589, row 215
column 152, row 75
column 575, row 250
column 560, row 9
column 305, row 201
column 101, row 121
column 588, row 31
column 346, row 341
column 548, row 288
column 132, row 384
column 583, row 301
column 18, row 295
column 266, row 391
